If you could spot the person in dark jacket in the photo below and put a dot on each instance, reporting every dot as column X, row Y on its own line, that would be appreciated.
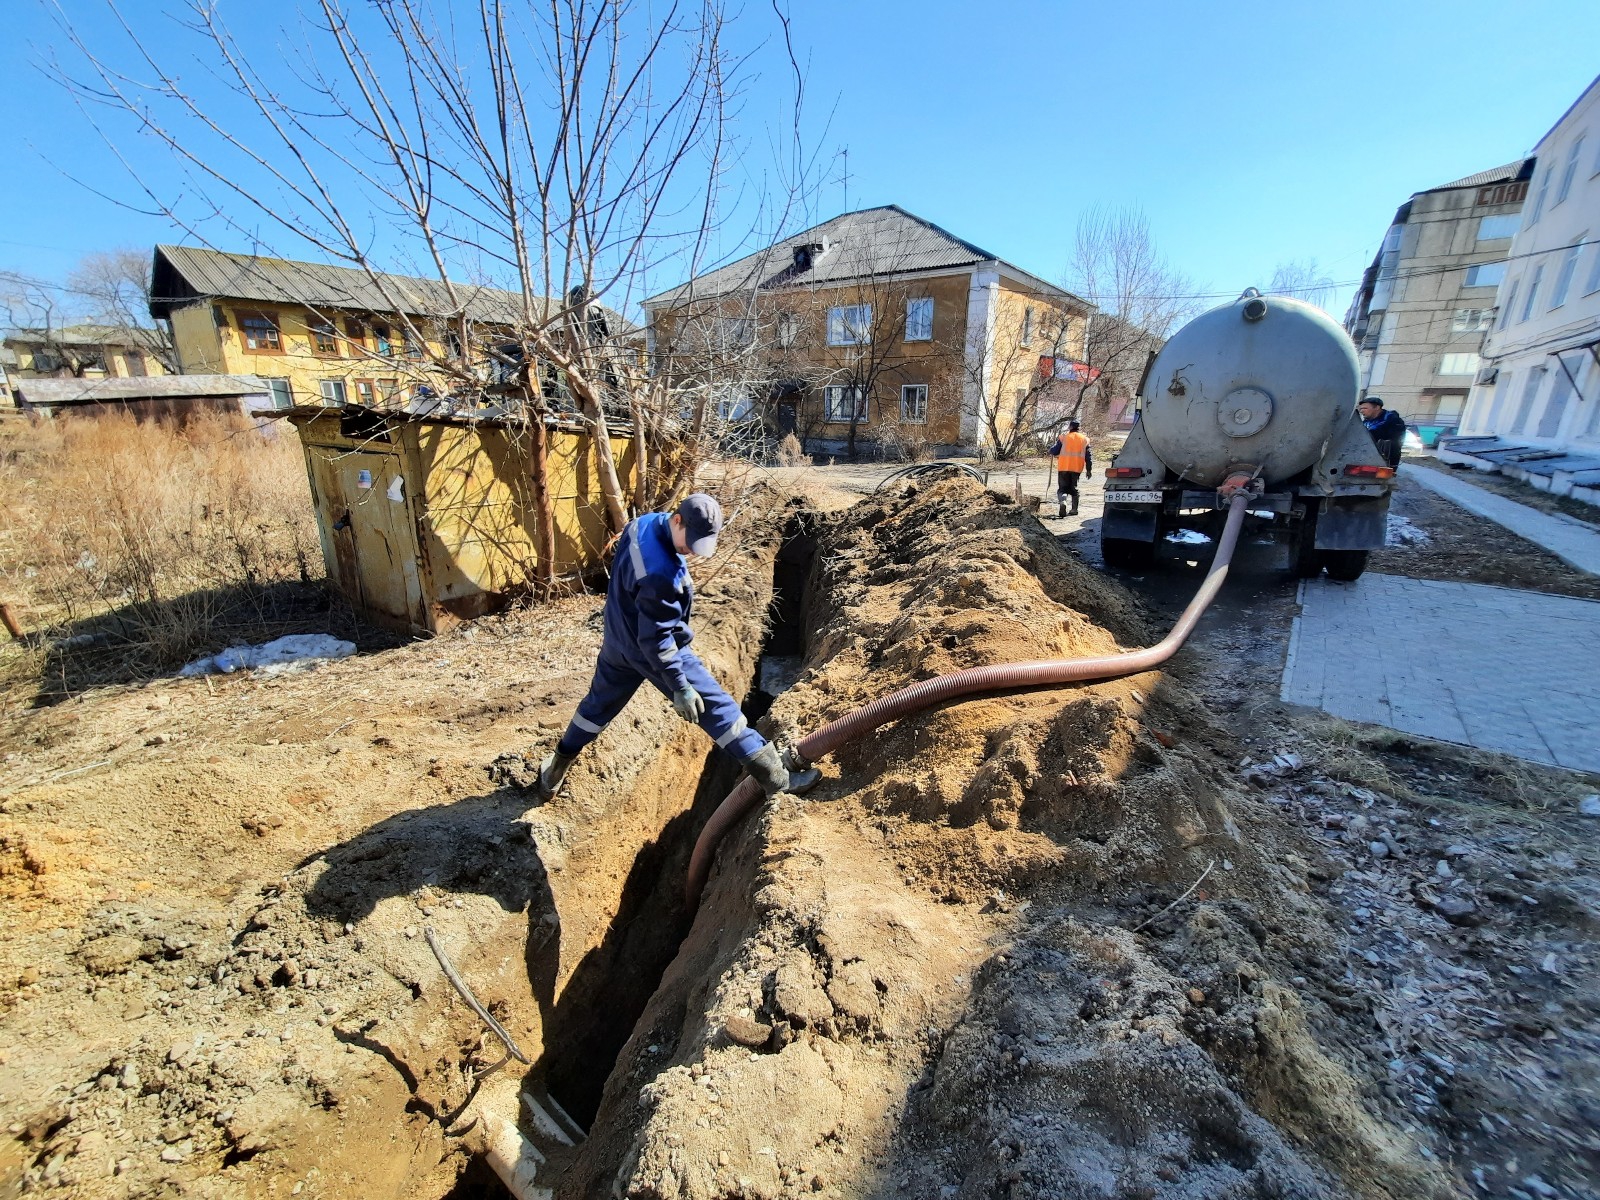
column 646, row 640
column 1388, row 429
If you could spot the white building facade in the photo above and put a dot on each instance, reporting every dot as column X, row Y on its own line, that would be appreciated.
column 1539, row 387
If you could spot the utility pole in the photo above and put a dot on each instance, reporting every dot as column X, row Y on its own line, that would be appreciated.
column 846, row 152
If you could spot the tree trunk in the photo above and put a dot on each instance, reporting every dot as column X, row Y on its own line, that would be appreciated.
column 544, row 510
column 641, row 456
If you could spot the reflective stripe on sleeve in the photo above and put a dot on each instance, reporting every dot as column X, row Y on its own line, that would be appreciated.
column 587, row 726
column 734, row 731
column 635, row 553
column 670, row 654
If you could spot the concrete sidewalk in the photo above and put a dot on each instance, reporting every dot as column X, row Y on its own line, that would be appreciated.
column 1506, row 670
column 1570, row 540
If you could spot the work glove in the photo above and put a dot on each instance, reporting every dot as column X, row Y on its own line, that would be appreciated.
column 688, row 705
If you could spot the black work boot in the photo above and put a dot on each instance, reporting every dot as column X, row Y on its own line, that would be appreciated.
column 766, row 767
column 1074, row 511
column 551, row 772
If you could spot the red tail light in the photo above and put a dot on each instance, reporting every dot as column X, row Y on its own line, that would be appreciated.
column 1129, row 472
column 1371, row 472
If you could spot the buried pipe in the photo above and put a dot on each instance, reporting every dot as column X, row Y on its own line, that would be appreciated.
column 998, row 677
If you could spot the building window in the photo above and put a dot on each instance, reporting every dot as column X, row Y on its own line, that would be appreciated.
column 388, row 391
column 1511, row 303
column 1569, row 170
column 1027, row 327
column 356, row 331
column 452, row 343
column 844, row 404
column 1593, row 282
column 135, row 360
column 788, row 330
column 734, row 404
column 1569, row 264
column 411, row 344
column 260, row 333
column 850, row 325
column 1458, row 364
column 332, row 392
column 733, row 332
column 1505, row 226
column 324, row 337
column 1530, row 393
column 919, row 319
column 279, row 391
column 1471, row 320
column 1380, row 368
column 1544, row 190
column 366, row 393
column 1555, row 407
column 914, row 403
column 381, row 341
column 1533, row 293
column 1485, row 274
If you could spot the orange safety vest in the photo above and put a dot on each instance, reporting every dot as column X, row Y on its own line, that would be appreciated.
column 1071, row 457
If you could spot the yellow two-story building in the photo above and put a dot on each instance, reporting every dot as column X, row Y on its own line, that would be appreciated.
column 878, row 327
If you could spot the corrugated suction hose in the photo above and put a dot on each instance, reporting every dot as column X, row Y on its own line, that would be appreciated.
column 999, row 677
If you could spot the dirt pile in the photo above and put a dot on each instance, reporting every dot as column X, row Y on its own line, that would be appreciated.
column 214, row 979
column 1036, row 944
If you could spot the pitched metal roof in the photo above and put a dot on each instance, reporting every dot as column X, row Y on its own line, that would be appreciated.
column 181, row 274
column 50, row 392
column 866, row 243
column 1520, row 169
column 84, row 335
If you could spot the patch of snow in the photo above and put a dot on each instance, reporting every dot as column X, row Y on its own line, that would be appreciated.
column 1188, row 537
column 1405, row 533
column 297, row 651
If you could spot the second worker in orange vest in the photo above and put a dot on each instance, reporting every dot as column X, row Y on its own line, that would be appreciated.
column 1073, row 458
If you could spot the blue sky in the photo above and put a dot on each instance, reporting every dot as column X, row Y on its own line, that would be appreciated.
column 1251, row 134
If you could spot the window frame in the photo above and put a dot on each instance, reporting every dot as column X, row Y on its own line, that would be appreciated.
column 327, row 400
column 1533, row 294
column 1472, row 320
column 1568, row 172
column 905, row 418
column 370, row 389
column 1460, row 356
column 1510, row 305
column 1592, row 284
column 1540, row 194
column 245, row 336
column 838, row 322
column 924, row 329
column 319, row 329
column 382, row 339
column 1516, row 223
column 1565, row 273
column 861, row 409
column 1467, row 280
column 1027, row 325
column 786, row 330
column 274, row 382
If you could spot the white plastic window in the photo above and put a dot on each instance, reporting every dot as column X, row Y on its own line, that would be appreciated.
column 850, row 325
column 919, row 319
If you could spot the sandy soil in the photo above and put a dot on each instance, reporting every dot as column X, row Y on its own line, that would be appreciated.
column 1156, row 937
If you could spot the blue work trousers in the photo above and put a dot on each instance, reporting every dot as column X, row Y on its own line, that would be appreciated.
column 615, row 682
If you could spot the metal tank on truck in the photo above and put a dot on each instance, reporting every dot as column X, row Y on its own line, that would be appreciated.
column 1264, row 387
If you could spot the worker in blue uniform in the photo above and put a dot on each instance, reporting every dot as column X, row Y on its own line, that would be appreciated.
column 647, row 640
column 1387, row 427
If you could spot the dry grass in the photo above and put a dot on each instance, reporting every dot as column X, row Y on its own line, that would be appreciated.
column 147, row 536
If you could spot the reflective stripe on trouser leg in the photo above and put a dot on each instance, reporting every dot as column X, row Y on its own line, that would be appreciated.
column 722, row 718
column 609, row 692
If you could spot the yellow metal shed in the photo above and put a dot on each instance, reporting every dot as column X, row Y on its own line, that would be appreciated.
column 430, row 520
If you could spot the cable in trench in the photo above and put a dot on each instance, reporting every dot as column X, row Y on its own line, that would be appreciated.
column 997, row 677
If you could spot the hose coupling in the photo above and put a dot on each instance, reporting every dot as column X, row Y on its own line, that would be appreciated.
column 1240, row 481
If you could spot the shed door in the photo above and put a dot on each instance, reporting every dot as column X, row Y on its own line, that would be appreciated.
column 376, row 552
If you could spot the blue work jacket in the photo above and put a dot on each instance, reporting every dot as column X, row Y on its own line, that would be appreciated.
column 648, row 601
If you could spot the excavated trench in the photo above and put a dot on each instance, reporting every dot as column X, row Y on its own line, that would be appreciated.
column 600, row 1005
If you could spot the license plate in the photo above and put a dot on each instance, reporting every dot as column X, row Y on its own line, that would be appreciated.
column 1134, row 497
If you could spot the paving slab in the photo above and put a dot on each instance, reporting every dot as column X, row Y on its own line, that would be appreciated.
column 1567, row 538
column 1500, row 669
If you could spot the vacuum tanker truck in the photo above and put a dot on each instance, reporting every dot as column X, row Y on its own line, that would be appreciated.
column 1264, row 387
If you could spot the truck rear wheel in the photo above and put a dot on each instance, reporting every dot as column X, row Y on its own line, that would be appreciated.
column 1345, row 565
column 1127, row 553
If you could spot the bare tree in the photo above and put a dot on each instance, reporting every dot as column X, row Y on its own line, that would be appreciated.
column 113, row 289
column 1020, row 388
column 1304, row 281
column 563, row 152
column 42, row 313
column 1139, row 298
